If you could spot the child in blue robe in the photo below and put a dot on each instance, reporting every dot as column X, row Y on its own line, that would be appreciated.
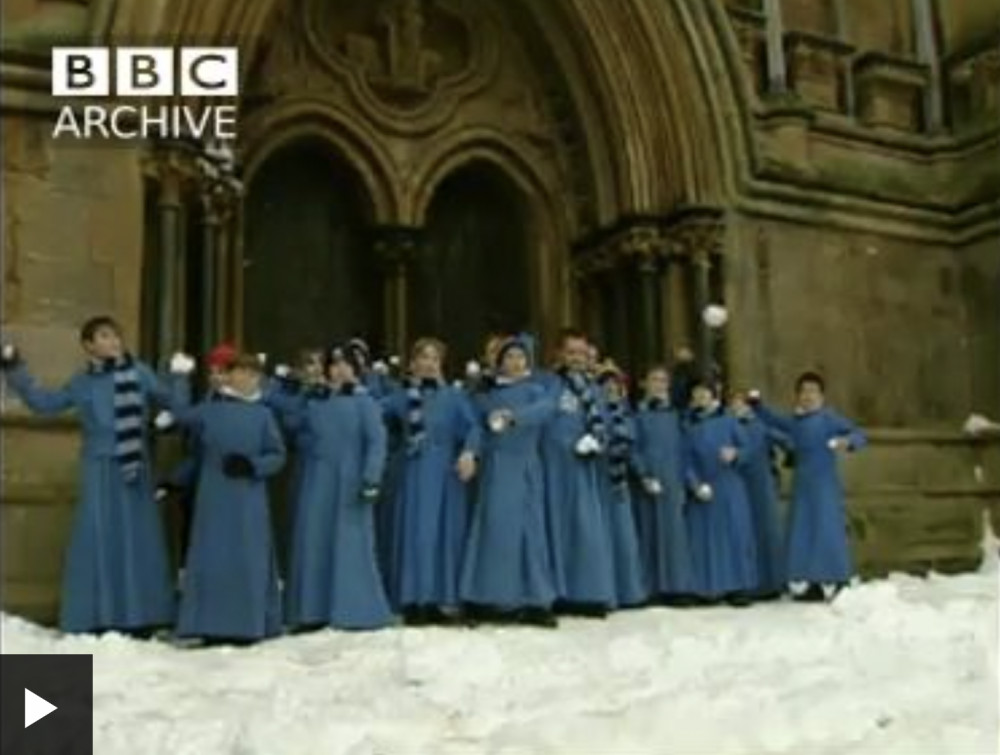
column 334, row 577
column 720, row 531
column 617, row 464
column 660, row 496
column 183, row 478
column 116, row 574
column 229, row 592
column 573, row 442
column 819, row 560
column 440, row 446
column 757, row 469
column 507, row 570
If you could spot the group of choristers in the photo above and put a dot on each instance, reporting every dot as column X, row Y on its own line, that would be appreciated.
column 516, row 495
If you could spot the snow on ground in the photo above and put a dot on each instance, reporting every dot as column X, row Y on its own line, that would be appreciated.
column 904, row 665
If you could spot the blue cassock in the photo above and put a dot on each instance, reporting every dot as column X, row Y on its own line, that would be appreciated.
column 429, row 501
column 575, row 514
column 334, row 577
column 230, row 585
column 630, row 584
column 661, row 454
column 116, row 574
column 757, row 470
column 818, row 548
column 720, row 531
column 507, row 563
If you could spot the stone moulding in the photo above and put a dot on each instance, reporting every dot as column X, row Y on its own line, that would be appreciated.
column 817, row 66
column 890, row 90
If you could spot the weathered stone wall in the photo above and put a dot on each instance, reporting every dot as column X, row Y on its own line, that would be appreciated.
column 981, row 286
column 881, row 318
column 71, row 249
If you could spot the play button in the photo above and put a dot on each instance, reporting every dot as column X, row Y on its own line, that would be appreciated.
column 53, row 695
column 35, row 707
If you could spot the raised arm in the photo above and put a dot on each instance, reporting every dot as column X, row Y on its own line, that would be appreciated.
column 536, row 413
column 45, row 401
column 375, row 441
column 774, row 419
column 172, row 392
column 843, row 428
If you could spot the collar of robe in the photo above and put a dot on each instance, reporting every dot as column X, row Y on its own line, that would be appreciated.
column 508, row 380
column 706, row 412
column 656, row 404
column 109, row 364
column 801, row 413
column 428, row 384
column 229, row 393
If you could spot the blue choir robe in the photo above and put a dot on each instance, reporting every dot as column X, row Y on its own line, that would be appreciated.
column 661, row 455
column 286, row 397
column 720, row 531
column 230, row 584
column 116, row 574
column 575, row 515
column 429, row 501
column 818, row 547
column 630, row 583
column 759, row 478
column 334, row 577
column 507, row 564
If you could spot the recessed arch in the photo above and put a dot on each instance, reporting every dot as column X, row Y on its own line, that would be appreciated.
column 276, row 128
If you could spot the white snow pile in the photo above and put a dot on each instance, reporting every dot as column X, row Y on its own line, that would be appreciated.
column 905, row 665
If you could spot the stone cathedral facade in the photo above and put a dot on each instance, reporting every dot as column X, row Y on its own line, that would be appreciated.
column 827, row 169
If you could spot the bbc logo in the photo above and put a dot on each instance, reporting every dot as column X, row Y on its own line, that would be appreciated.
column 145, row 72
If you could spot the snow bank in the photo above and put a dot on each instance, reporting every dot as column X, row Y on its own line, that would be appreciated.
column 904, row 665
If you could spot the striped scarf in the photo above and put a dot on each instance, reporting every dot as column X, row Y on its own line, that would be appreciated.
column 129, row 406
column 620, row 444
column 585, row 391
column 416, row 427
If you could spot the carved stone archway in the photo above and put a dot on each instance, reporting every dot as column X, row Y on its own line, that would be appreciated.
column 600, row 111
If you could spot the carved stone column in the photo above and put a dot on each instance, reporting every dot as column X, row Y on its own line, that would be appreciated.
column 697, row 231
column 641, row 247
column 395, row 247
column 220, row 201
column 172, row 168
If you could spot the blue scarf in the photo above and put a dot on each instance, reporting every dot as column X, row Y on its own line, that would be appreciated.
column 129, row 405
column 620, row 445
column 583, row 388
column 416, row 396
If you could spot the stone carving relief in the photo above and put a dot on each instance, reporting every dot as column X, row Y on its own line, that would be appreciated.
column 405, row 63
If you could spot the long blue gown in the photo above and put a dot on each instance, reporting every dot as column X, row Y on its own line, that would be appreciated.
column 116, row 573
column 507, row 564
column 230, row 585
column 758, row 476
column 575, row 514
column 720, row 531
column 630, row 584
column 430, row 502
column 334, row 577
column 818, row 547
column 661, row 454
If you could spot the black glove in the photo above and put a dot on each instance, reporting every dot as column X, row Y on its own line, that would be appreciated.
column 238, row 466
column 370, row 493
column 10, row 357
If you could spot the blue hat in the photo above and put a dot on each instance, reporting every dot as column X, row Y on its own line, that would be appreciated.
column 514, row 342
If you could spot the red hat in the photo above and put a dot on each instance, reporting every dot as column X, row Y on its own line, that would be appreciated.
column 221, row 356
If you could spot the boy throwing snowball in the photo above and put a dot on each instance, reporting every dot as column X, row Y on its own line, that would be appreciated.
column 116, row 575
column 819, row 559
